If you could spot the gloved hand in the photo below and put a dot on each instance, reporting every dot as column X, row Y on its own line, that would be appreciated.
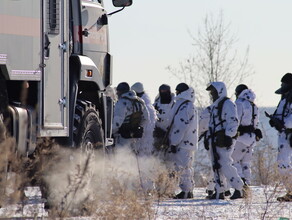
column 277, row 123
column 223, row 140
column 258, row 134
column 173, row 149
column 228, row 141
column 271, row 122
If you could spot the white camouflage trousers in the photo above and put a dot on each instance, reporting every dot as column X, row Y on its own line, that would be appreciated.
column 242, row 157
column 226, row 171
column 183, row 163
column 284, row 160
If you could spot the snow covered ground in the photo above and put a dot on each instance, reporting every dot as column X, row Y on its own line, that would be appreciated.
column 261, row 204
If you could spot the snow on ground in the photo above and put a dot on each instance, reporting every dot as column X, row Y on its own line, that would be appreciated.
column 261, row 204
column 256, row 207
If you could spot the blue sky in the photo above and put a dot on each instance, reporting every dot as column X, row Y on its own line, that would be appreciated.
column 151, row 35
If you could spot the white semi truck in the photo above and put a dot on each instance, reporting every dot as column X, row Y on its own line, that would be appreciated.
column 55, row 67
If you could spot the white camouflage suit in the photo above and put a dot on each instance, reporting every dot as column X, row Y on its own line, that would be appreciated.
column 184, row 135
column 248, row 115
column 163, row 112
column 229, row 124
column 147, row 140
column 122, row 109
column 284, row 158
column 163, row 121
column 204, row 121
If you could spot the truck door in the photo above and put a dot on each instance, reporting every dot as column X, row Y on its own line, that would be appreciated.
column 55, row 78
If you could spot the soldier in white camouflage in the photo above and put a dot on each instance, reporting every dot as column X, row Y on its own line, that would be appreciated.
column 281, row 120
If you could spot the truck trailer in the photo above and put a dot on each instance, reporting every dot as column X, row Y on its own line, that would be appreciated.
column 55, row 67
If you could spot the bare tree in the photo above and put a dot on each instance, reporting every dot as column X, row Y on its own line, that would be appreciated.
column 214, row 59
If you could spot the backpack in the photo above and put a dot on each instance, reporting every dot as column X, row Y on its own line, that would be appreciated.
column 131, row 127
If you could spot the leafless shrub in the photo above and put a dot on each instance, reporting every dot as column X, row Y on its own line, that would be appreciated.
column 166, row 184
column 264, row 165
column 214, row 58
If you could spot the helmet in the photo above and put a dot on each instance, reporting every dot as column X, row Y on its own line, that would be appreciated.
column 181, row 88
column 123, row 87
column 286, row 84
column 239, row 89
column 287, row 78
column 138, row 87
column 164, row 87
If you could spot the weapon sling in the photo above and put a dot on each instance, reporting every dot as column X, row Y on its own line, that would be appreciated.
column 216, row 166
column 172, row 121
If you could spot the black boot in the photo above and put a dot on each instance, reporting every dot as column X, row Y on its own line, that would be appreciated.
column 181, row 195
column 227, row 193
column 209, row 192
column 285, row 198
column 190, row 195
column 214, row 196
column 184, row 195
column 236, row 195
column 245, row 185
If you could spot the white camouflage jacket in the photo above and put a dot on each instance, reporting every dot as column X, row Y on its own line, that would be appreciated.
column 124, row 107
column 163, row 112
column 229, row 119
column 284, row 112
column 184, row 130
column 248, row 114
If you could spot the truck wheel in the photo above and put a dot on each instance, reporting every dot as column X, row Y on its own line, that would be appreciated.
column 87, row 130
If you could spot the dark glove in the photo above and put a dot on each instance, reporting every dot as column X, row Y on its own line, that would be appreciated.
column 258, row 134
column 173, row 149
column 223, row 140
column 228, row 141
column 272, row 123
column 277, row 123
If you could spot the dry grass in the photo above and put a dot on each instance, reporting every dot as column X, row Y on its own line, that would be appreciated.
column 107, row 186
column 75, row 184
column 12, row 176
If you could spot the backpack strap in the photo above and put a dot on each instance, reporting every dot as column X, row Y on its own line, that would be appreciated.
column 134, row 102
column 253, row 114
column 220, row 108
column 172, row 121
column 283, row 110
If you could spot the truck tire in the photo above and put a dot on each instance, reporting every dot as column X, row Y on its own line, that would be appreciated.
column 87, row 130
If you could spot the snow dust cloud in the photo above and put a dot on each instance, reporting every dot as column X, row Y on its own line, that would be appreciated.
column 77, row 176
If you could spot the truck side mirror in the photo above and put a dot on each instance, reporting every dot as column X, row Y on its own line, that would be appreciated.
column 122, row 3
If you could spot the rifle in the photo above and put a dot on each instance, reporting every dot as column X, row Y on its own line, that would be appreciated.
column 275, row 122
column 215, row 157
